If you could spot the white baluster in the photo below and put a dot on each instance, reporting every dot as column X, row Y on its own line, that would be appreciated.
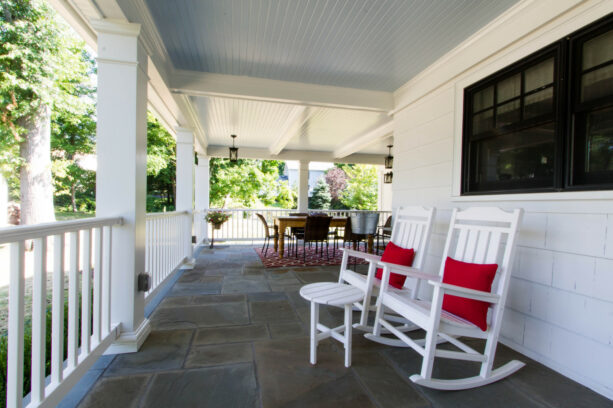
column 57, row 317
column 86, row 293
column 39, row 314
column 73, row 301
column 14, row 370
column 106, row 281
column 98, row 235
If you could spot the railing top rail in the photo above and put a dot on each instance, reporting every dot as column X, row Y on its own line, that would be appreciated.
column 166, row 214
column 24, row 232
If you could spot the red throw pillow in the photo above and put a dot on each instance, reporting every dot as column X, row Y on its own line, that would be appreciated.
column 399, row 256
column 471, row 276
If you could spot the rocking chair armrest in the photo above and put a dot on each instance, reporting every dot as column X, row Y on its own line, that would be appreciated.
column 465, row 292
column 408, row 271
column 363, row 255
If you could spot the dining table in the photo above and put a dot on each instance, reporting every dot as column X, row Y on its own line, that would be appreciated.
column 281, row 223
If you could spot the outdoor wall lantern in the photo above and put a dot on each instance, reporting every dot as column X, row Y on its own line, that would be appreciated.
column 389, row 160
column 387, row 177
column 233, row 150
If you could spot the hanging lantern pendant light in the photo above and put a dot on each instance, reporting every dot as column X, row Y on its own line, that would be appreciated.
column 389, row 160
column 233, row 150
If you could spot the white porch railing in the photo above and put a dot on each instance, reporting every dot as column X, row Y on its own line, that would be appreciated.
column 168, row 245
column 82, row 248
column 243, row 225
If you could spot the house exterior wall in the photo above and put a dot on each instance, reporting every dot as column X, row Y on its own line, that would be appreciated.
column 560, row 305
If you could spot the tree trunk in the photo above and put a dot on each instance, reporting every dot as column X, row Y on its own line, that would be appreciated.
column 73, row 196
column 35, row 177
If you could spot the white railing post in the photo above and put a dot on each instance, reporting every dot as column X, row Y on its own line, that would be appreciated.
column 185, row 188
column 121, row 175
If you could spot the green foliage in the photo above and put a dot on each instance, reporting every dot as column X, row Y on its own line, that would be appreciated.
column 27, row 348
column 42, row 63
column 321, row 198
column 248, row 183
column 362, row 187
column 161, row 167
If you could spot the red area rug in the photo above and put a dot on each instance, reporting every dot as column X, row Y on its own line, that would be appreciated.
column 272, row 260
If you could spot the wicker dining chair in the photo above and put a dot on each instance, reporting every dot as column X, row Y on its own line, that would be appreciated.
column 316, row 230
column 267, row 231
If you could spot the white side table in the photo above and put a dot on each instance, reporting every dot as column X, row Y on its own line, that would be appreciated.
column 333, row 294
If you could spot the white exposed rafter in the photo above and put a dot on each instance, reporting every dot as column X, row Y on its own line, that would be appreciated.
column 293, row 123
column 365, row 139
column 270, row 90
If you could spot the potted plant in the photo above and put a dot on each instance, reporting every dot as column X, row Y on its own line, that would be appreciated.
column 217, row 218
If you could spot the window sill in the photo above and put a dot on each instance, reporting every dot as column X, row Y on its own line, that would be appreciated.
column 557, row 196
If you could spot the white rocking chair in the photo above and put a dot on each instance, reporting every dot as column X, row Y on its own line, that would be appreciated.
column 477, row 235
column 411, row 229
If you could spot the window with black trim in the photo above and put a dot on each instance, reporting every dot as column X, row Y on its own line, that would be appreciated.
column 544, row 123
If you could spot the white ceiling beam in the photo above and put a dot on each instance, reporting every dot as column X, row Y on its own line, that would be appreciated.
column 192, row 121
column 270, row 90
column 310, row 155
column 364, row 140
column 299, row 116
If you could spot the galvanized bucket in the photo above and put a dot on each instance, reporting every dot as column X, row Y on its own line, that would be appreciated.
column 364, row 223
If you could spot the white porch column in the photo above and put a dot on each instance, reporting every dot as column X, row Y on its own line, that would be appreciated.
column 185, row 182
column 202, row 197
column 121, row 176
column 303, row 186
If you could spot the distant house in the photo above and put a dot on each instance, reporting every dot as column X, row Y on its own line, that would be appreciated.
column 317, row 170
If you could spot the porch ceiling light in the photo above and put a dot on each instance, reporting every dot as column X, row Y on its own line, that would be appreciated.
column 233, row 150
column 389, row 160
column 387, row 177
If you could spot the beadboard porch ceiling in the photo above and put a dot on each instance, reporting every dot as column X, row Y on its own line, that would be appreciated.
column 301, row 75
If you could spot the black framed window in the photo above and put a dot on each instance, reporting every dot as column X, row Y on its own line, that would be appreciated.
column 591, row 146
column 529, row 129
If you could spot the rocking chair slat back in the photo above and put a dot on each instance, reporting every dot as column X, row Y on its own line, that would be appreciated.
column 412, row 230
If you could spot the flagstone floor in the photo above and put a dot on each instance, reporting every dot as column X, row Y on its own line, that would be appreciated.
column 231, row 333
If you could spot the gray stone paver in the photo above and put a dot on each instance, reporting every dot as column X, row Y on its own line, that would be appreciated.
column 231, row 333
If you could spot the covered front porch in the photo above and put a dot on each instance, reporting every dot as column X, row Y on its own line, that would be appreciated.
column 231, row 333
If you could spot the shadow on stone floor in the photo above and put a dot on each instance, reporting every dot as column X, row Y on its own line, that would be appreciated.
column 231, row 333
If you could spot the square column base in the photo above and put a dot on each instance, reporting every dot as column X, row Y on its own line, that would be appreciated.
column 130, row 342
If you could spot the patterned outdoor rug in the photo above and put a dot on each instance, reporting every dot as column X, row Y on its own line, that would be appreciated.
column 272, row 260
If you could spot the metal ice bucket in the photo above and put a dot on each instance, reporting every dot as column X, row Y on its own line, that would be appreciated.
column 364, row 223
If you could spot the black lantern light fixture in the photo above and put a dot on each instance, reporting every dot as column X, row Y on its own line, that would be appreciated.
column 389, row 160
column 233, row 150
column 387, row 177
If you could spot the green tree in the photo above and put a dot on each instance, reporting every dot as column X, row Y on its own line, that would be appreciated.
column 362, row 187
column 321, row 197
column 73, row 139
column 248, row 183
column 161, row 167
column 41, row 69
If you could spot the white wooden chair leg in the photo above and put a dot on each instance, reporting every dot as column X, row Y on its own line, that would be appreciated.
column 348, row 326
column 314, row 321
column 431, row 335
column 367, row 296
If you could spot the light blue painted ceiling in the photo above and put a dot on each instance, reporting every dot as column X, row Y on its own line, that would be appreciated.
column 365, row 44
